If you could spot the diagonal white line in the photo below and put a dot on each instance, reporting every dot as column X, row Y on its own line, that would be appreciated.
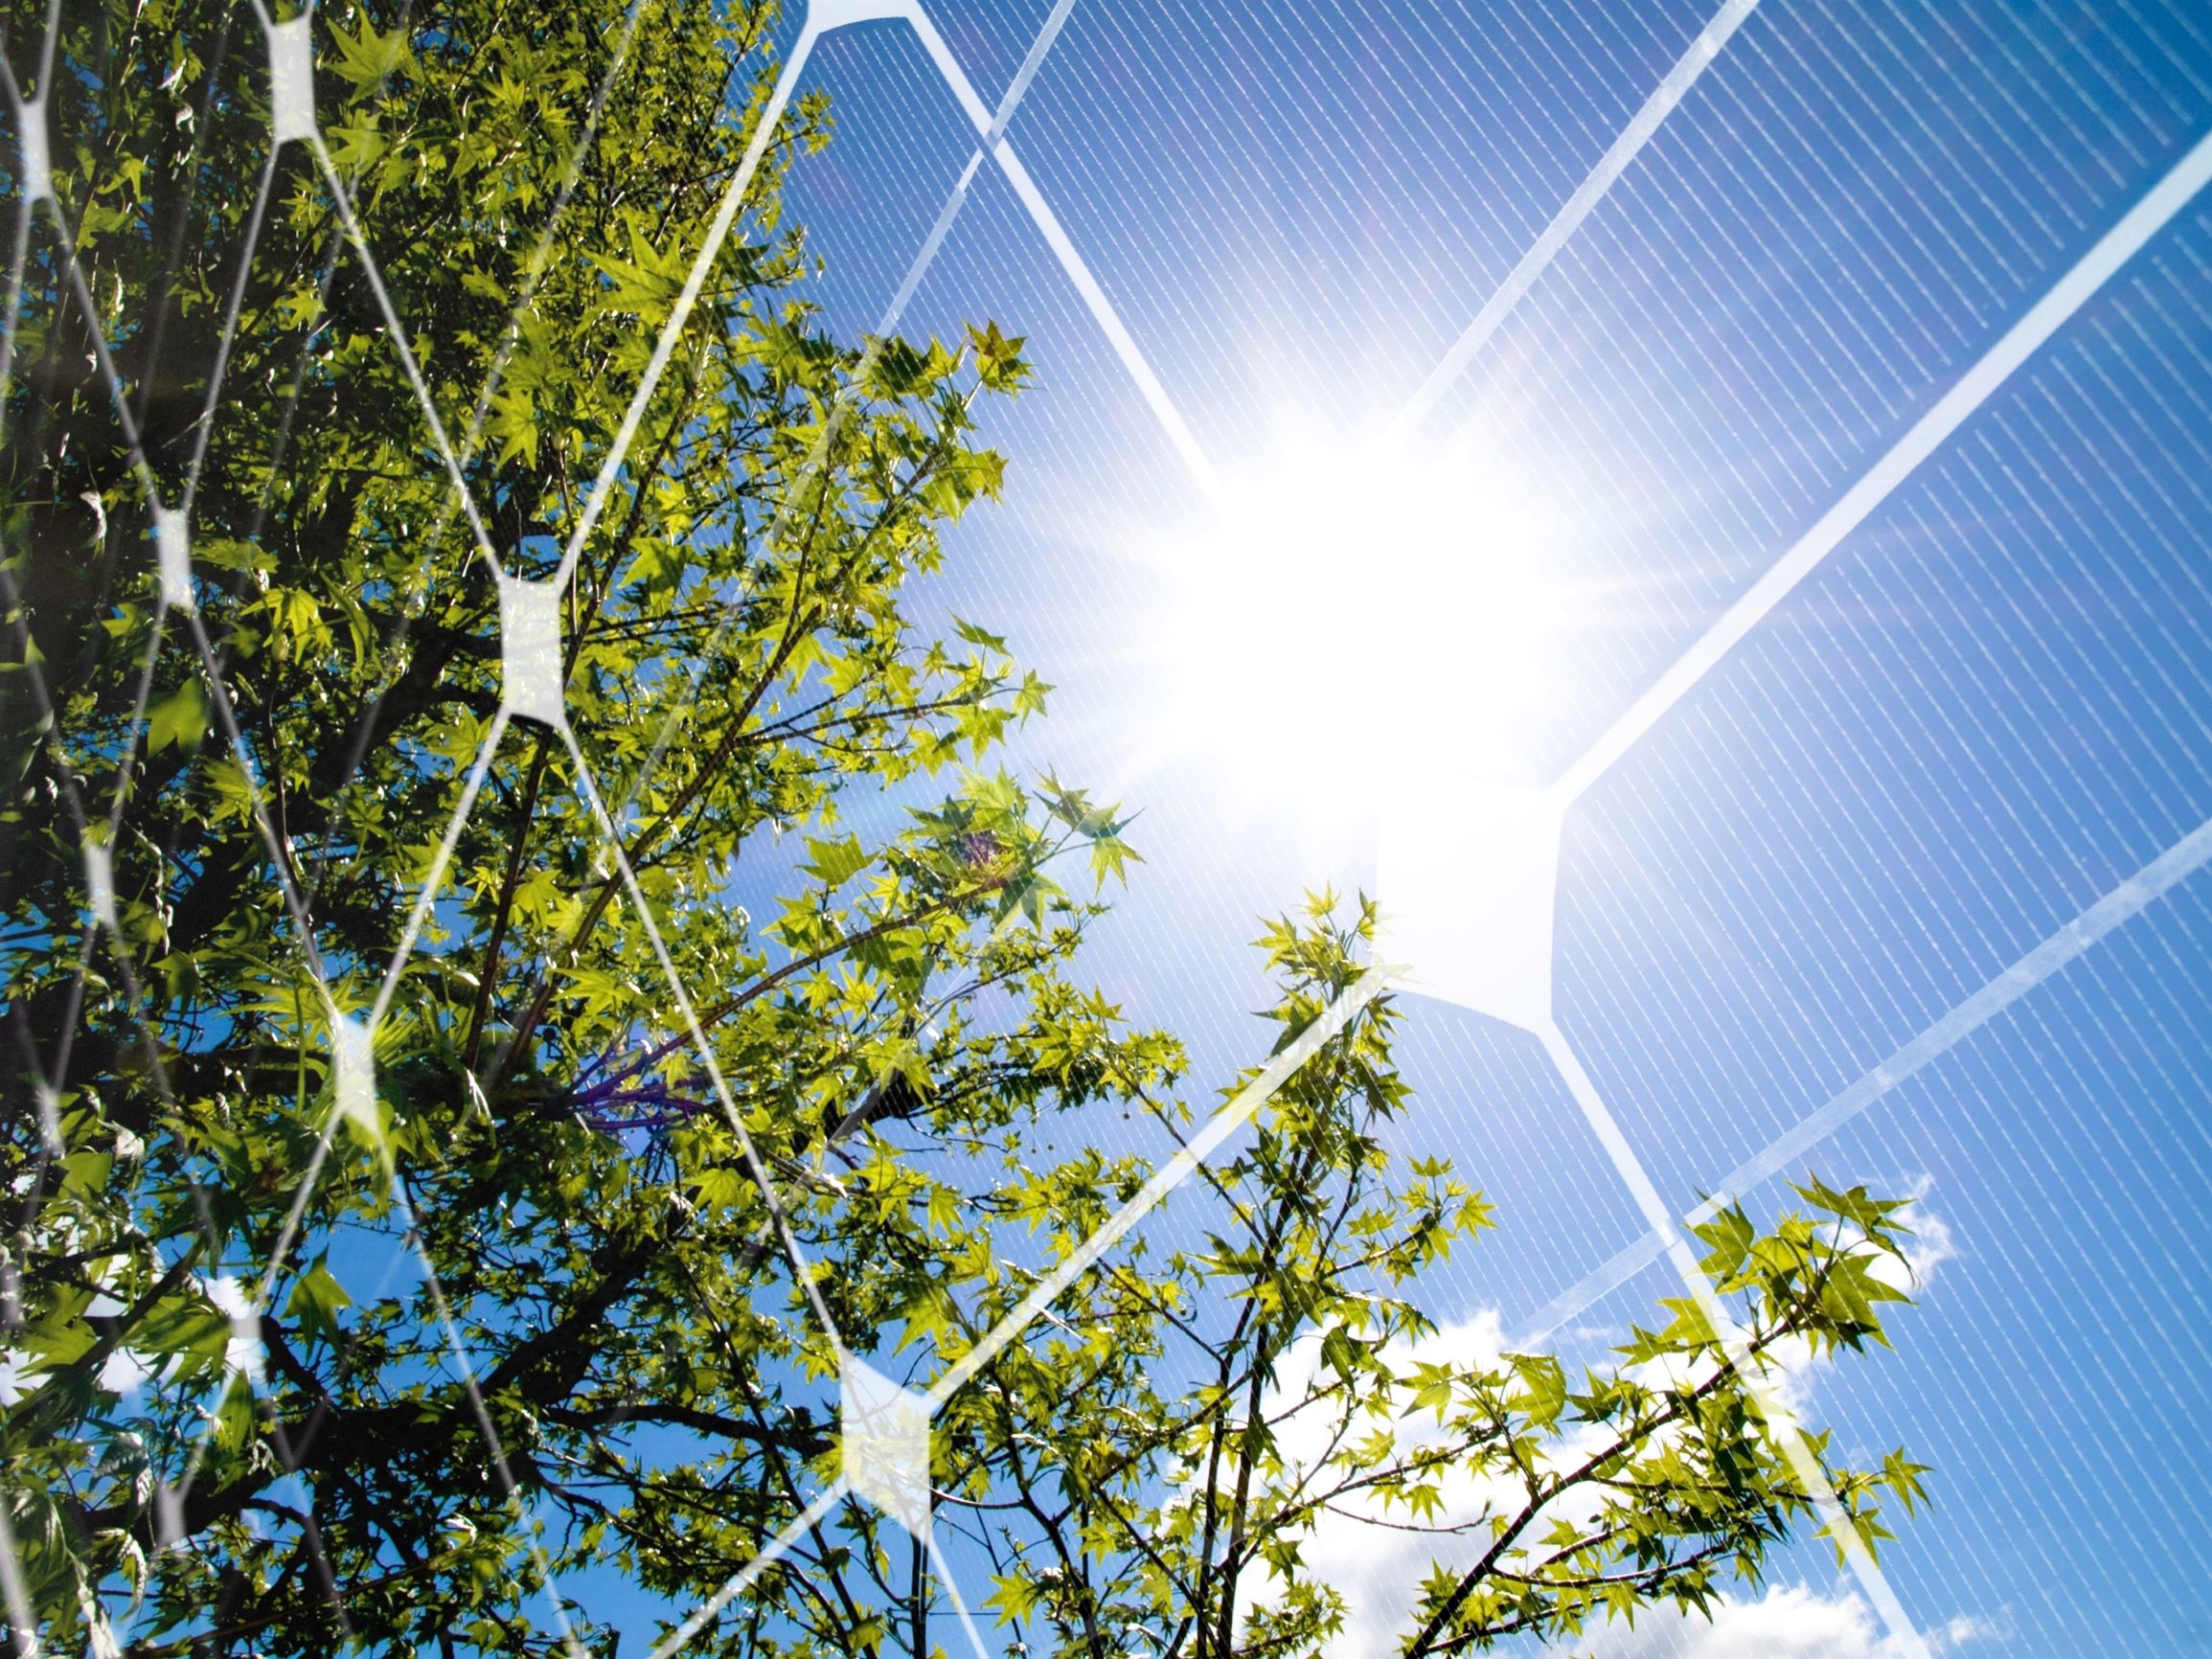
column 483, row 1423
column 2179, row 861
column 50, row 1083
column 725, row 216
column 352, row 226
column 777, row 1547
column 2067, row 295
column 436, row 876
column 916, row 270
column 801, row 1266
column 22, row 1623
column 29, row 205
column 1601, row 1280
column 230, row 329
column 73, row 800
column 275, row 845
column 1247, row 1101
column 1624, row 150
column 991, row 135
column 959, row 1602
column 1795, row 1450
column 426, row 896
column 1094, row 297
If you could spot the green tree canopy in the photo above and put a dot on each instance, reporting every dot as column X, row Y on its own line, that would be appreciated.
column 297, row 1368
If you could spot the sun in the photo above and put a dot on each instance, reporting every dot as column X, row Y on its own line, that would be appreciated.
column 1348, row 612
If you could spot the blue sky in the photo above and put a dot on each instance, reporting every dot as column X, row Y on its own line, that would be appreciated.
column 1988, row 706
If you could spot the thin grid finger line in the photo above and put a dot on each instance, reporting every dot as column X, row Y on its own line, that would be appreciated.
column 725, row 216
column 2072, row 290
column 1796, row 1453
column 1232, row 1116
column 629, row 876
column 850, row 393
column 951, row 1585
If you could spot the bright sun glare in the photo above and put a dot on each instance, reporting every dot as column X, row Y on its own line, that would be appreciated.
column 1353, row 612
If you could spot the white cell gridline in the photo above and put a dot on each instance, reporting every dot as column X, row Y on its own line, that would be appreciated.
column 880, row 1463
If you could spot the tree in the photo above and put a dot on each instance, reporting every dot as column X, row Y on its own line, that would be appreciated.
column 299, row 1368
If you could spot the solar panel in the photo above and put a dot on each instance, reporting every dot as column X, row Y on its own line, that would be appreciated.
column 1836, row 372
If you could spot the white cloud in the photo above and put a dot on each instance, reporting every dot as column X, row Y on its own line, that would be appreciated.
column 243, row 1352
column 1788, row 1622
column 1365, row 1553
column 124, row 1371
column 1932, row 1243
column 1378, row 1567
